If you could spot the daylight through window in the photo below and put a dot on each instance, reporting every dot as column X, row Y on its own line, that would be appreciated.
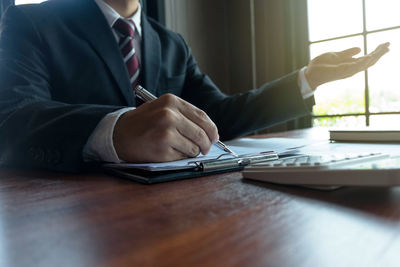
column 371, row 98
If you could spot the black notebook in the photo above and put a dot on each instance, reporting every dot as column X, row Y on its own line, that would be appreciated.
column 197, row 167
column 250, row 151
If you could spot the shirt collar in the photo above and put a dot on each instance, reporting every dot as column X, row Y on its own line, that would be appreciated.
column 112, row 16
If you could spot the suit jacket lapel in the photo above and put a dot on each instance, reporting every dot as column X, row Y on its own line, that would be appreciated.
column 151, row 62
column 91, row 21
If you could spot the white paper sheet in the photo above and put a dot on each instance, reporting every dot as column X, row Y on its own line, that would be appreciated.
column 240, row 146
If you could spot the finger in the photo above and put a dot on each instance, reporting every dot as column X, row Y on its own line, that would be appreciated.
column 370, row 59
column 380, row 50
column 172, row 155
column 171, row 146
column 196, row 135
column 200, row 118
column 192, row 113
column 375, row 58
column 383, row 46
column 185, row 146
column 349, row 52
column 363, row 63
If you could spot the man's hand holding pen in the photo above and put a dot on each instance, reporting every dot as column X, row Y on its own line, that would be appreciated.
column 164, row 129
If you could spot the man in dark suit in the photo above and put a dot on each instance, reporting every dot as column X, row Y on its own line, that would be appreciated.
column 67, row 70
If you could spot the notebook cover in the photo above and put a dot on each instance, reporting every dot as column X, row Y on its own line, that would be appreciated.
column 151, row 177
column 365, row 135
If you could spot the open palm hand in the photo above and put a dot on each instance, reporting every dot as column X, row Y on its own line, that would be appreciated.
column 340, row 65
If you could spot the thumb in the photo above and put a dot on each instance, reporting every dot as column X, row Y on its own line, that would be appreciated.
column 349, row 52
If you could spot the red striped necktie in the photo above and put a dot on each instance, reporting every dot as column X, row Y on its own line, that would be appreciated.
column 126, row 31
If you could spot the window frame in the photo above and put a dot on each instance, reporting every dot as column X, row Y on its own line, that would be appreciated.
column 367, row 113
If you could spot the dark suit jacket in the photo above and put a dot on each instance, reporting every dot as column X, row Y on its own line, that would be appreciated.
column 61, row 72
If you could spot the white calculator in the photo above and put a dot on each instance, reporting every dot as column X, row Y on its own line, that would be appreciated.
column 370, row 169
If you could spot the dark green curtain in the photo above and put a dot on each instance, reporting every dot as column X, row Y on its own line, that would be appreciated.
column 295, row 50
column 296, row 24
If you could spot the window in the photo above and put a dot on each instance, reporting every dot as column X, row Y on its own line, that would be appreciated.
column 371, row 98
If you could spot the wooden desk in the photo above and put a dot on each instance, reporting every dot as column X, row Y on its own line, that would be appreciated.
column 49, row 219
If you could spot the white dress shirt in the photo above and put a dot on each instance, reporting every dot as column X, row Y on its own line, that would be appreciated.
column 100, row 146
column 112, row 16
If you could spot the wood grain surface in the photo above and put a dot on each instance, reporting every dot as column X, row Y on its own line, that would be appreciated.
column 55, row 219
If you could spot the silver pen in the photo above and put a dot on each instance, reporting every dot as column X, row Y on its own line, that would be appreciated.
column 146, row 96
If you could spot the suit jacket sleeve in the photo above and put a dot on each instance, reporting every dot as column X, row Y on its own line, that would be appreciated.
column 35, row 131
column 244, row 113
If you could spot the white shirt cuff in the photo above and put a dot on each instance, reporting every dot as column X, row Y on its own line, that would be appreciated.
column 305, row 87
column 100, row 146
